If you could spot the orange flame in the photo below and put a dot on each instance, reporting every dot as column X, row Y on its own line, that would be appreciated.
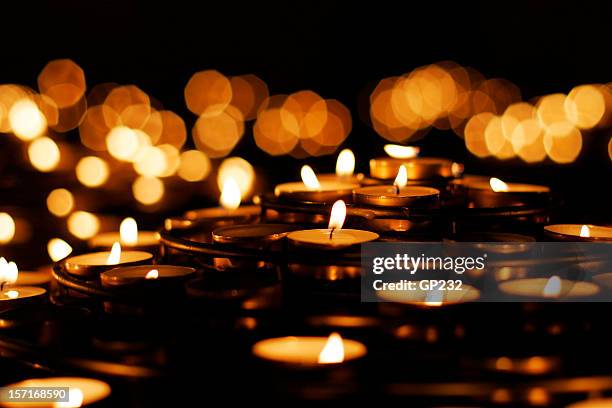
column 552, row 288
column 114, row 257
column 333, row 352
column 338, row 215
column 309, row 178
column 497, row 185
column 585, row 231
column 152, row 274
column 402, row 177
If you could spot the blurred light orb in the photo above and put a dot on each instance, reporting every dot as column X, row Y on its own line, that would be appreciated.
column 610, row 148
column 248, row 93
column 62, row 80
column 26, row 120
column 585, row 106
column 474, row 134
column 527, row 141
column 172, row 159
column 194, row 166
column 217, row 133
column 151, row 162
column 173, row 131
column 83, row 225
column 271, row 135
column 551, row 110
column 495, row 141
column 44, row 154
column 92, row 171
column 208, row 91
column 58, row 249
column 7, row 228
column 563, row 143
column 148, row 190
column 238, row 169
column 60, row 202
column 123, row 143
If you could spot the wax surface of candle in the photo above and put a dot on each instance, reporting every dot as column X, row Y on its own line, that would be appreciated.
column 106, row 239
column 303, row 350
column 430, row 298
column 130, row 274
column 576, row 230
column 339, row 238
column 390, row 196
column 100, row 258
column 12, row 293
column 91, row 390
column 537, row 288
column 485, row 184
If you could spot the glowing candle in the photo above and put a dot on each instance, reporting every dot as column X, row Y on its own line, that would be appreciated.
column 91, row 264
column 145, row 274
column 551, row 288
column 81, row 391
column 483, row 192
column 309, row 351
column 128, row 235
column 418, row 168
column 397, row 195
column 593, row 403
column 230, row 208
column 334, row 236
column 579, row 232
column 11, row 294
column 430, row 297
column 312, row 189
column 345, row 169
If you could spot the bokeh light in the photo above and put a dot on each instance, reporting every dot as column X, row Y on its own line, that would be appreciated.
column 60, row 202
column 148, row 190
column 26, row 120
column 248, row 93
column 44, row 154
column 7, row 228
column 194, row 166
column 151, row 161
column 495, row 141
column 551, row 110
column 217, row 132
column 585, row 106
column 172, row 159
column 563, row 142
column 271, row 135
column 58, row 249
column 124, row 143
column 83, row 225
column 174, row 131
column 93, row 128
column 474, row 134
column 238, row 169
column 208, row 91
column 92, row 171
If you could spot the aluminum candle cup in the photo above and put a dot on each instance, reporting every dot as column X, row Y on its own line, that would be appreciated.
column 418, row 168
column 578, row 232
column 92, row 264
column 327, row 192
column 146, row 275
column 391, row 196
column 484, row 192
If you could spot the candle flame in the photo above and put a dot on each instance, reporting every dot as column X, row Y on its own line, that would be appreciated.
column 8, row 272
column 338, row 215
column 309, row 178
column 115, row 254
column 75, row 399
column 12, row 294
column 333, row 352
column 457, row 169
column 585, row 231
column 401, row 152
column 345, row 165
column 230, row 194
column 552, row 288
column 128, row 231
column 497, row 185
column 434, row 298
column 58, row 249
column 402, row 177
column 152, row 274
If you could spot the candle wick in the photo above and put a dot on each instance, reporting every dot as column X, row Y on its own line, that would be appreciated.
column 331, row 232
column 397, row 189
column 2, row 284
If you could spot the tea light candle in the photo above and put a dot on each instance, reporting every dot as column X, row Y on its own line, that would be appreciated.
column 145, row 274
column 419, row 168
column 312, row 190
column 11, row 295
column 229, row 208
column 309, row 351
column 593, row 403
column 431, row 297
column 81, row 391
column 397, row 195
column 551, row 288
column 577, row 232
column 128, row 235
column 483, row 192
column 345, row 168
column 252, row 235
column 334, row 237
column 91, row 264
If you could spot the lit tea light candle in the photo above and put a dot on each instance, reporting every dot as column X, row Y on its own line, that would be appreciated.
column 309, row 351
column 334, row 237
column 312, row 189
column 551, row 288
column 430, row 297
column 419, row 168
column 129, row 236
column 492, row 192
column 397, row 195
column 145, row 274
column 593, row 403
column 10, row 294
column 81, row 391
column 91, row 264
column 577, row 232
column 345, row 169
column 229, row 208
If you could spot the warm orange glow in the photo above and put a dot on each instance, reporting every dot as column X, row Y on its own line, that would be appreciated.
column 60, row 202
column 92, row 171
column 434, row 298
column 172, row 159
column 123, row 143
column 63, row 81
column 44, row 154
column 309, row 178
column 208, row 91
column 402, row 177
column 150, row 161
column 272, row 133
column 114, row 257
column 230, row 194
column 173, row 131
column 248, row 93
column 552, row 288
column 26, row 119
column 8, row 272
column 58, row 249
column 496, row 142
column 498, row 185
column 128, row 231
column 217, row 133
column 93, row 128
column 148, row 190
column 7, row 228
column 345, row 164
column 585, row 106
column 194, row 166
column 333, row 352
column 12, row 294
column 474, row 134
column 585, row 231
column 562, row 142
column 238, row 169
column 551, row 110
column 121, row 98
column 401, row 152
column 152, row 274
column 83, row 225
column 337, row 216
column 304, row 113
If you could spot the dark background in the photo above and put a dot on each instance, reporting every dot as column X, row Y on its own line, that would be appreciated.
column 338, row 49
